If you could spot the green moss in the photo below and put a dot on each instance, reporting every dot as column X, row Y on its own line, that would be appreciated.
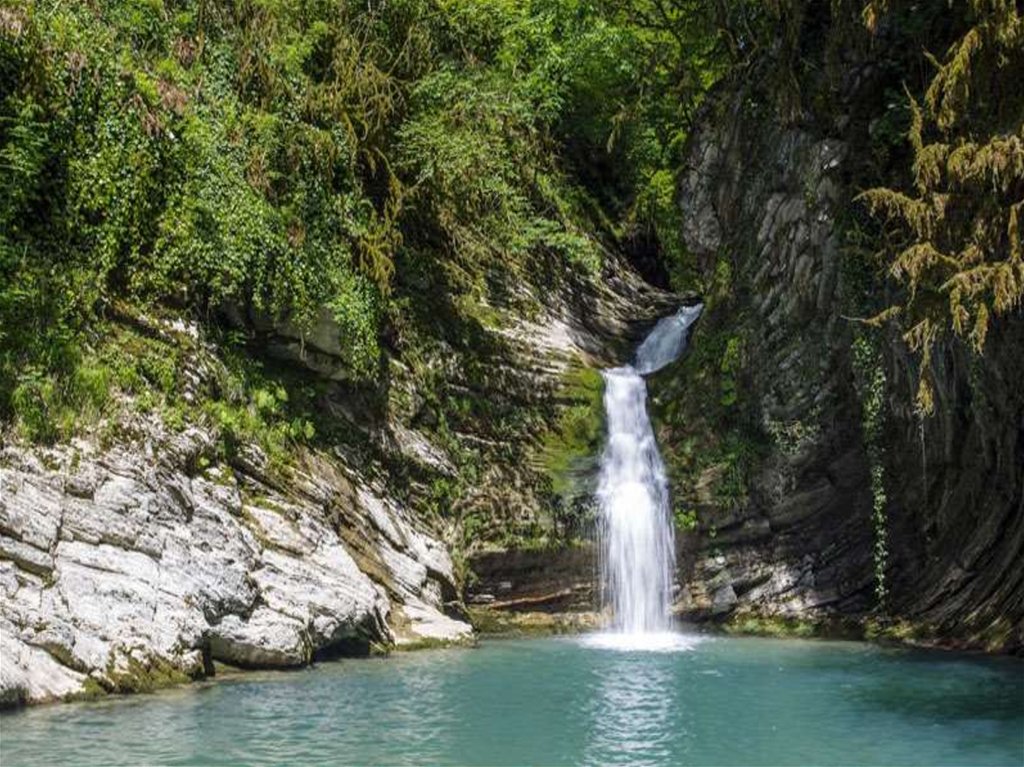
column 730, row 366
column 878, row 629
column 489, row 622
column 142, row 677
column 576, row 435
column 772, row 626
column 996, row 636
column 134, row 677
column 430, row 643
column 791, row 627
column 91, row 690
column 993, row 637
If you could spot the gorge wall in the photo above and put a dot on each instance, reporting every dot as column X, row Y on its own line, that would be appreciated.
column 766, row 424
column 129, row 566
column 775, row 467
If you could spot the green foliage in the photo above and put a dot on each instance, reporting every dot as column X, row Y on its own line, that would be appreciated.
column 720, row 287
column 686, row 519
column 482, row 176
column 286, row 157
column 142, row 166
column 954, row 240
column 356, row 310
column 253, row 404
column 711, row 447
column 42, row 405
column 730, row 367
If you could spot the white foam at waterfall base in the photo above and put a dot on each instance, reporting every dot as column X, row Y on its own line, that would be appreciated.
column 660, row 641
column 637, row 540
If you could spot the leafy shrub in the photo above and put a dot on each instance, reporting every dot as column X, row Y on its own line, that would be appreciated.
column 281, row 156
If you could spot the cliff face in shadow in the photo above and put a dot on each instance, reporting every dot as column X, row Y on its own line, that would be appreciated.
column 957, row 511
column 761, row 424
column 812, row 489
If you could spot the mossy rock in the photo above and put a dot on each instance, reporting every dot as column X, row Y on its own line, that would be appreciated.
column 792, row 627
column 490, row 622
column 144, row 676
column 431, row 643
column 572, row 443
column 91, row 690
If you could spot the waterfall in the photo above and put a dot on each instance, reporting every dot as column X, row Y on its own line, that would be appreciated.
column 637, row 541
column 638, row 553
column 667, row 341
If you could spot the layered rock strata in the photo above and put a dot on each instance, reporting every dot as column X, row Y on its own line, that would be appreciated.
column 126, row 566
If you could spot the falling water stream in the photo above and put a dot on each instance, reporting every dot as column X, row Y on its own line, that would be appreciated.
column 637, row 541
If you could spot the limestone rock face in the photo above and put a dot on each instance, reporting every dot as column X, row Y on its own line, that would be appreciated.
column 119, row 563
column 124, row 564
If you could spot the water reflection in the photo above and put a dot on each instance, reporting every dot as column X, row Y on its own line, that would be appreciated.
column 421, row 721
column 634, row 716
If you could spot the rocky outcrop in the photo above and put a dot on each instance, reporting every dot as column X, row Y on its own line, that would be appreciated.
column 763, row 200
column 556, row 580
column 775, row 467
column 119, row 566
column 145, row 561
column 501, row 384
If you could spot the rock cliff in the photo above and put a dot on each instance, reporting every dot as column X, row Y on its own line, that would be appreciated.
column 142, row 553
column 125, row 567
column 766, row 423
column 784, row 507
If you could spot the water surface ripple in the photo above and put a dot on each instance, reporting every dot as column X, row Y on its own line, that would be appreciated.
column 562, row 701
